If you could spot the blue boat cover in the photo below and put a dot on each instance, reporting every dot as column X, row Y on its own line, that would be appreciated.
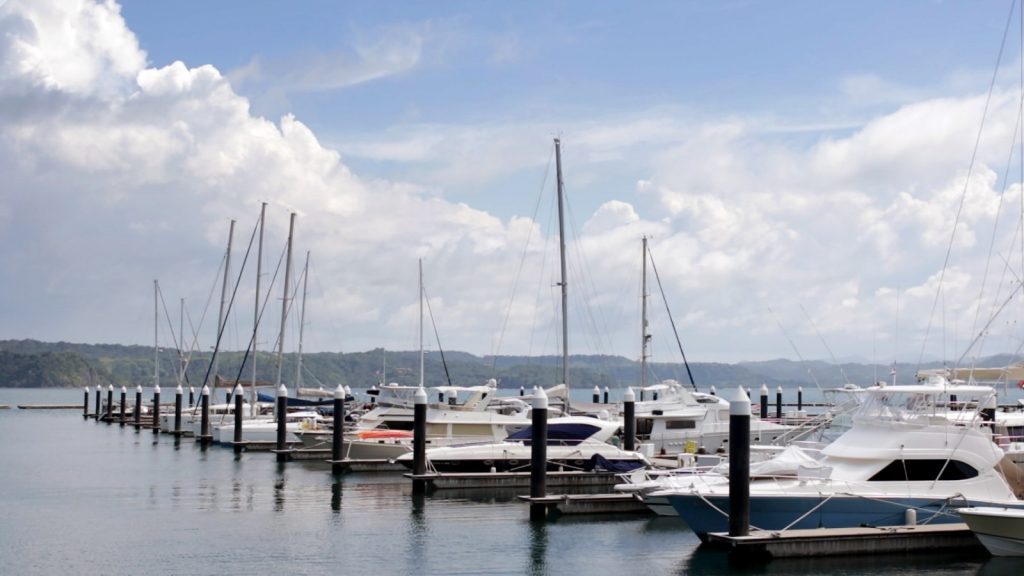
column 598, row 462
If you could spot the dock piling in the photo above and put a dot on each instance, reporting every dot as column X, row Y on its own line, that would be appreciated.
column 605, row 394
column 597, row 395
column 138, row 407
column 85, row 406
column 178, row 397
column 96, row 413
column 124, row 401
column 778, row 403
column 739, row 464
column 282, row 421
column 539, row 455
column 764, row 401
column 156, row 409
column 239, row 398
column 204, row 423
column 339, row 429
column 799, row 398
column 419, row 440
column 110, row 404
column 629, row 420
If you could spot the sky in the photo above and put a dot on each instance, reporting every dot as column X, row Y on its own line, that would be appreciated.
column 816, row 180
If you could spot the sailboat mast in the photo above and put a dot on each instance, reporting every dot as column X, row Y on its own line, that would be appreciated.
column 564, row 282
column 302, row 324
column 256, row 319
column 181, row 342
column 421, row 322
column 643, row 319
column 156, row 338
column 284, row 301
column 223, row 299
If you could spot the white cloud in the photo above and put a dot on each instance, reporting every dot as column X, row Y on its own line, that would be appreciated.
column 116, row 173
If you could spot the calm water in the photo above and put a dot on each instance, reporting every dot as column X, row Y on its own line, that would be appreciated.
column 77, row 497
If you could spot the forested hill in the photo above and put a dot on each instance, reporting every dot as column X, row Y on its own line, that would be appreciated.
column 34, row 364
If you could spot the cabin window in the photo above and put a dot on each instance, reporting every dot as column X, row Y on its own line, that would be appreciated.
column 680, row 424
column 924, row 470
column 644, row 427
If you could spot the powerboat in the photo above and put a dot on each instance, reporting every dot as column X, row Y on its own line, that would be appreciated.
column 574, row 443
column 903, row 452
column 1000, row 530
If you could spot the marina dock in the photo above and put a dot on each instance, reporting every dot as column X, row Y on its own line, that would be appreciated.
column 844, row 541
column 473, row 480
column 46, row 406
column 574, row 504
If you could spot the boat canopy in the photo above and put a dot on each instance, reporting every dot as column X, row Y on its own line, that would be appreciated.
column 570, row 433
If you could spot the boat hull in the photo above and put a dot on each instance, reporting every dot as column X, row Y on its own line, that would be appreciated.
column 704, row 514
column 1000, row 530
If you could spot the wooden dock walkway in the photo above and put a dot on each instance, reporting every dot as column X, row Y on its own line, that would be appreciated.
column 843, row 541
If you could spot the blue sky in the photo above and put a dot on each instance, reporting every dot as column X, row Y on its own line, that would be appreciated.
column 794, row 163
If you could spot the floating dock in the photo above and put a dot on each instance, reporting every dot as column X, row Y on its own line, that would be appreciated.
column 47, row 406
column 573, row 504
column 468, row 480
column 843, row 541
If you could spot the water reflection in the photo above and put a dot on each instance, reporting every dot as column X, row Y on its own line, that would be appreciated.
column 538, row 548
column 336, row 495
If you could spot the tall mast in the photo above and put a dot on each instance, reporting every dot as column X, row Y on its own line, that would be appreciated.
column 223, row 300
column 256, row 318
column 284, row 301
column 156, row 338
column 302, row 324
column 421, row 323
column 645, row 338
column 181, row 342
column 564, row 283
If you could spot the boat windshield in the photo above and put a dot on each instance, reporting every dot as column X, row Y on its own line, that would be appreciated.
column 570, row 434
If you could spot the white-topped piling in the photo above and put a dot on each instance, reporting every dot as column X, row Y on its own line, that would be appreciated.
column 282, row 423
column 539, row 454
column 137, row 410
column 124, row 402
column 778, row 403
column 178, row 399
column 739, row 464
column 597, row 395
column 629, row 420
column 239, row 409
column 156, row 409
column 339, row 430
column 764, row 401
column 85, row 405
column 419, row 440
column 204, row 422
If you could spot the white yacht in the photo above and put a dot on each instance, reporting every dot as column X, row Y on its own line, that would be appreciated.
column 574, row 443
column 903, row 452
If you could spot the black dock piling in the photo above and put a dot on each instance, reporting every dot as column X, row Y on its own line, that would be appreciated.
column 282, row 422
column 419, row 440
column 96, row 413
column 137, row 409
column 204, row 423
column 764, row 401
column 178, row 397
column 339, row 430
column 110, row 404
column 156, row 409
column 799, row 398
column 605, row 394
column 778, row 403
column 239, row 399
column 124, row 401
column 522, row 391
column 739, row 464
column 85, row 406
column 539, row 455
column 629, row 420
column 191, row 396
column 712, row 390
column 597, row 395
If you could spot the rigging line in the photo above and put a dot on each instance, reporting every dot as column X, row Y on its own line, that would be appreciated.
column 820, row 337
column 793, row 345
column 967, row 181
column 522, row 261
column 259, row 319
column 985, row 328
column 437, row 336
column 672, row 321
column 995, row 227
column 234, row 291
column 597, row 319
